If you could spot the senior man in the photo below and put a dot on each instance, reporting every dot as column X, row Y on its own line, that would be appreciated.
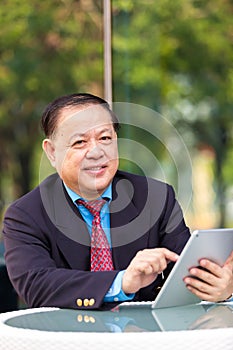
column 91, row 235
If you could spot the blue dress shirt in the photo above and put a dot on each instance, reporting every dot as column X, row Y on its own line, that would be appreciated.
column 115, row 293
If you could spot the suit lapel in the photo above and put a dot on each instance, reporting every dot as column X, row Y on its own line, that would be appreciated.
column 122, row 209
column 72, row 236
column 127, row 223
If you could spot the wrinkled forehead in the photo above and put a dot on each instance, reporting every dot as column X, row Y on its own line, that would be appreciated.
column 82, row 119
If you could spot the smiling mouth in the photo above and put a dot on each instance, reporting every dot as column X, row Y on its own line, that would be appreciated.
column 96, row 168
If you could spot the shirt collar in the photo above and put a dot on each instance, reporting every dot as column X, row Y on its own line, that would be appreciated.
column 74, row 196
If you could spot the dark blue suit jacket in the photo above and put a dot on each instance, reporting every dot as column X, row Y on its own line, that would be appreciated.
column 48, row 245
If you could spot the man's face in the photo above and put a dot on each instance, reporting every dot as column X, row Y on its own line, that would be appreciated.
column 84, row 149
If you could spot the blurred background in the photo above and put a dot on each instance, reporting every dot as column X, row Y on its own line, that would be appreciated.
column 174, row 57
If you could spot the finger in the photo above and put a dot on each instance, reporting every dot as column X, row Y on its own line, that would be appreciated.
column 215, row 291
column 231, row 256
column 216, row 270
column 146, row 268
column 202, row 289
column 211, row 267
column 169, row 255
column 229, row 261
column 157, row 255
column 142, row 267
column 158, row 262
column 204, row 276
column 152, row 261
column 207, row 295
column 200, row 294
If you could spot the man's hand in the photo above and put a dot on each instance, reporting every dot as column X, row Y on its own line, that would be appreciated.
column 214, row 283
column 145, row 267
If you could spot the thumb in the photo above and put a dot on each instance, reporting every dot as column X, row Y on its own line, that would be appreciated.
column 229, row 261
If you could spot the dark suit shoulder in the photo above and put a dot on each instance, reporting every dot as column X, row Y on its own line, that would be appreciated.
column 143, row 187
column 145, row 193
column 139, row 179
column 31, row 201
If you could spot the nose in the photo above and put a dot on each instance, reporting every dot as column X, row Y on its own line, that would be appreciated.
column 95, row 151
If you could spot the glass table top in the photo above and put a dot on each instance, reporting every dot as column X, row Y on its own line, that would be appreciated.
column 127, row 319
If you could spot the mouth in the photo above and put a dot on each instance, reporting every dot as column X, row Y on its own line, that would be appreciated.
column 96, row 169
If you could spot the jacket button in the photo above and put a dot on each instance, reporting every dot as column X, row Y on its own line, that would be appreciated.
column 86, row 302
column 91, row 301
column 79, row 302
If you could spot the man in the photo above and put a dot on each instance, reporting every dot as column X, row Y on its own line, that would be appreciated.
column 53, row 234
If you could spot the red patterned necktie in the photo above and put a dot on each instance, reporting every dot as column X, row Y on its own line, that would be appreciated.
column 101, row 257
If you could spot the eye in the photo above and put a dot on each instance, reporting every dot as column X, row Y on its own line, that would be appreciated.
column 78, row 143
column 106, row 139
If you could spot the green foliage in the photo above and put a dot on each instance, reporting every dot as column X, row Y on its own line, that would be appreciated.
column 177, row 58
column 47, row 49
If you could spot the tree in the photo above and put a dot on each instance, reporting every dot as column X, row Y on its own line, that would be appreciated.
column 46, row 49
column 177, row 58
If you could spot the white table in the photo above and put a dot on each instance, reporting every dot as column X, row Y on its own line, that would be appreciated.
column 192, row 328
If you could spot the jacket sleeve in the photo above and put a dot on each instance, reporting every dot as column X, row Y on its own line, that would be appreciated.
column 174, row 233
column 38, row 273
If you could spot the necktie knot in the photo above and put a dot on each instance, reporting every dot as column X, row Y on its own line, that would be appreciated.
column 93, row 206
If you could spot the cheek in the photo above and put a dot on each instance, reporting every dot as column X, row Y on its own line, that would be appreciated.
column 114, row 166
column 113, row 153
column 69, row 160
column 114, row 157
column 60, row 157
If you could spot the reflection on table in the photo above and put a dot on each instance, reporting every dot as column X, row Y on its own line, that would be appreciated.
column 128, row 319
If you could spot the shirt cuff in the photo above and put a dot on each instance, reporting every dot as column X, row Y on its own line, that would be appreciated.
column 115, row 293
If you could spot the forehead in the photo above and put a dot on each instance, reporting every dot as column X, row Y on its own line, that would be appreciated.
column 82, row 119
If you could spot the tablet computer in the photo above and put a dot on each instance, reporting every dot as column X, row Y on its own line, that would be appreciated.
column 215, row 245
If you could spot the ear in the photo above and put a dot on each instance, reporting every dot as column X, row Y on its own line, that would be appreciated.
column 49, row 149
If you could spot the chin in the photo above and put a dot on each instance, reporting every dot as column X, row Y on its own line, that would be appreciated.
column 101, row 187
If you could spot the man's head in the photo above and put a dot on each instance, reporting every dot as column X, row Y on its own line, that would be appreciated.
column 51, row 114
column 81, row 142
